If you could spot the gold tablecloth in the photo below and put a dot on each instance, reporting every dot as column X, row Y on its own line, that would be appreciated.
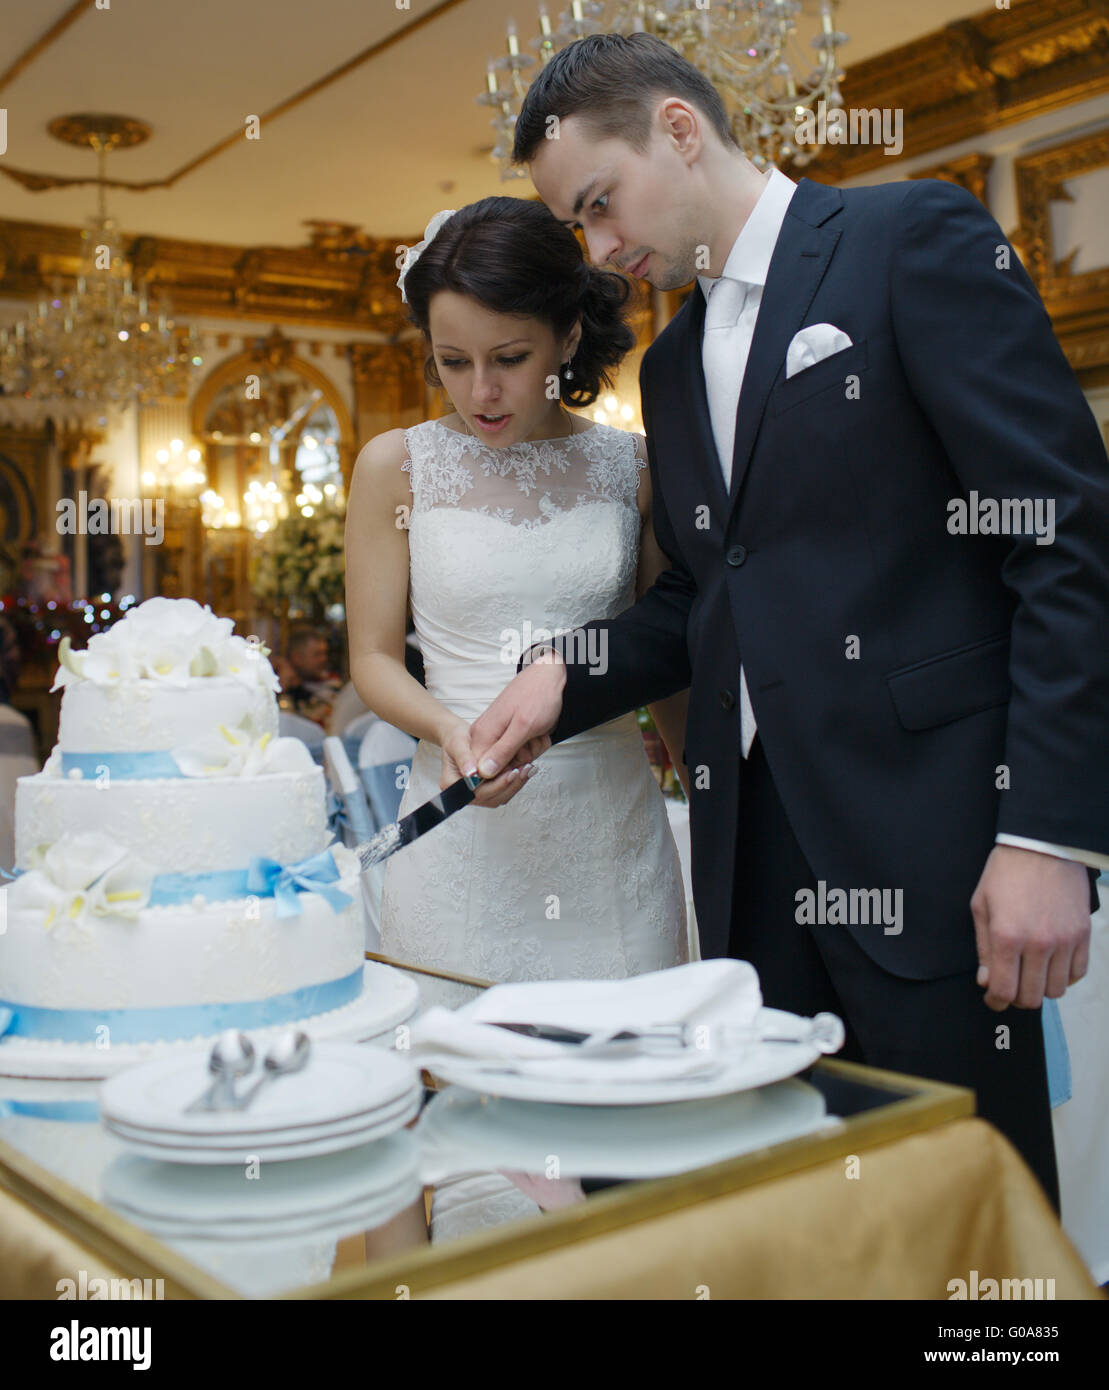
column 923, row 1210
column 34, row 1255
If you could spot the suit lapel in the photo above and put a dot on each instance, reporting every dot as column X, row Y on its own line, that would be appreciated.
column 801, row 256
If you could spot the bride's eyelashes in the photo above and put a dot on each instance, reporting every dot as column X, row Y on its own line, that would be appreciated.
column 501, row 361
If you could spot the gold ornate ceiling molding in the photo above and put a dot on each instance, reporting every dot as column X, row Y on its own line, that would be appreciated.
column 41, row 44
column 974, row 76
column 36, row 181
column 1078, row 303
column 349, row 283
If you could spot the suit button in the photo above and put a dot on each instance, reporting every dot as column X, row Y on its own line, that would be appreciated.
column 727, row 699
column 737, row 555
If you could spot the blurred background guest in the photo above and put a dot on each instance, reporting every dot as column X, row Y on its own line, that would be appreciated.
column 308, row 685
column 17, row 745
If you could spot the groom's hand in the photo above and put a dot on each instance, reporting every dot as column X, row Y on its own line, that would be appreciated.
column 522, row 716
column 1032, row 924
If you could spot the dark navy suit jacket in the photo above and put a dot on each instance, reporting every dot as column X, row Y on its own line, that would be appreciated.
column 974, row 652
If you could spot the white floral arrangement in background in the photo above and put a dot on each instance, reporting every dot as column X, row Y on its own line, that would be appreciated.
column 167, row 640
column 303, row 559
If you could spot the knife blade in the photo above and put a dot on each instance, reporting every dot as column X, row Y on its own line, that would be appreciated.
column 418, row 822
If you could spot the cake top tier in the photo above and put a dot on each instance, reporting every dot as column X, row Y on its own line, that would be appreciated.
column 167, row 674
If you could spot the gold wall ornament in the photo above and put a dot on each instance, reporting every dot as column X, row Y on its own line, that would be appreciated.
column 1077, row 302
column 969, row 171
column 355, row 291
column 274, row 353
column 977, row 75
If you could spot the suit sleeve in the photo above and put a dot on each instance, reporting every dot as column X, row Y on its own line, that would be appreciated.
column 985, row 366
column 641, row 655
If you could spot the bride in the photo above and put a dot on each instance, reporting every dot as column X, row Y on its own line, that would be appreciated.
column 508, row 520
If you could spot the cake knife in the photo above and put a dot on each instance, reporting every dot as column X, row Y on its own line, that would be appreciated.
column 418, row 822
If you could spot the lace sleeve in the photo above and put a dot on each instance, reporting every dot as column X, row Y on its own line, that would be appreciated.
column 614, row 463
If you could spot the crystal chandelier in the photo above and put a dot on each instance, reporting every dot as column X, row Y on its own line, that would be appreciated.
column 101, row 346
column 748, row 50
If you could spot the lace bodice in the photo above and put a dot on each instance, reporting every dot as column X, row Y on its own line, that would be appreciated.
column 507, row 545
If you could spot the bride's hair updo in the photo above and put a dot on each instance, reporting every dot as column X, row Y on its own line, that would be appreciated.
column 514, row 257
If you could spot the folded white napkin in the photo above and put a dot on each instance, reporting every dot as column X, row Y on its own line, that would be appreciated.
column 710, row 992
column 812, row 345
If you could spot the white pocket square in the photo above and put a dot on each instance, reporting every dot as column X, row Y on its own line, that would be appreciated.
column 812, row 345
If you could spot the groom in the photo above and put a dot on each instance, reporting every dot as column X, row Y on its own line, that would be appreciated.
column 898, row 730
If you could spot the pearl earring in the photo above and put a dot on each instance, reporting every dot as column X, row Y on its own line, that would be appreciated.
column 567, row 372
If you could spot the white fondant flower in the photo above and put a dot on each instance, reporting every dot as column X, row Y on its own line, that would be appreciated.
column 110, row 661
column 169, row 664
column 181, row 621
column 241, row 752
column 79, row 878
column 245, row 662
column 70, row 665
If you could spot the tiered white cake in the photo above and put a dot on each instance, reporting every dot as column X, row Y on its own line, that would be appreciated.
column 174, row 870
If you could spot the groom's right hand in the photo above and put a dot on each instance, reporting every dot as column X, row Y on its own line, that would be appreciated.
column 521, row 717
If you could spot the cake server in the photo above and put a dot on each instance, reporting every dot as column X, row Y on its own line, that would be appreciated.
column 418, row 822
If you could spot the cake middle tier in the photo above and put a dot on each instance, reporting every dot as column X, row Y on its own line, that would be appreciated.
column 180, row 824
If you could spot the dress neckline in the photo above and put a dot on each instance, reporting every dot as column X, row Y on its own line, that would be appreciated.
column 521, row 443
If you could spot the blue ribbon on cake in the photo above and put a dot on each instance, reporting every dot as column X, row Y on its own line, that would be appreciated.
column 123, row 766
column 83, row 1111
column 265, row 878
column 176, row 1022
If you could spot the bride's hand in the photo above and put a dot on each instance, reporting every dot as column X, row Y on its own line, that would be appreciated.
column 498, row 790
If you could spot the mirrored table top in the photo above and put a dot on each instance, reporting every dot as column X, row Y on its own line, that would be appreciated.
column 468, row 1163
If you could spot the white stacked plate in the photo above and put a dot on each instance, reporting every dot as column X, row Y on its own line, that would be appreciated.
column 461, row 1131
column 323, row 1198
column 345, row 1097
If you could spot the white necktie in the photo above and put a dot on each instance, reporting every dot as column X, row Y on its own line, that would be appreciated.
column 724, row 356
column 724, row 352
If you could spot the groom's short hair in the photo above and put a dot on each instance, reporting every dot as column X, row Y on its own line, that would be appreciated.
column 612, row 81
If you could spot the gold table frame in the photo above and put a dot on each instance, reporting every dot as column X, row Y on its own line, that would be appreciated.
column 132, row 1253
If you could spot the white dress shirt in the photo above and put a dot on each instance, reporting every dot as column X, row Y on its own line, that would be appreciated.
column 725, row 347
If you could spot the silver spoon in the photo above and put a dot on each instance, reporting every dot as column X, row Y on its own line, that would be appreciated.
column 232, row 1055
column 287, row 1055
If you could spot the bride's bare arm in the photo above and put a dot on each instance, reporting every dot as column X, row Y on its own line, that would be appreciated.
column 377, row 574
column 377, row 592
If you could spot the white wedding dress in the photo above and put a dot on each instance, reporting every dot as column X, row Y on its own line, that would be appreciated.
column 578, row 875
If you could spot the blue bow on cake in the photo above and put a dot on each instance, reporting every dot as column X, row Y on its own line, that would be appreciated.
column 283, row 881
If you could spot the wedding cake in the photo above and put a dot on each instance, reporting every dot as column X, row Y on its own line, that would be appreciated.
column 174, row 871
